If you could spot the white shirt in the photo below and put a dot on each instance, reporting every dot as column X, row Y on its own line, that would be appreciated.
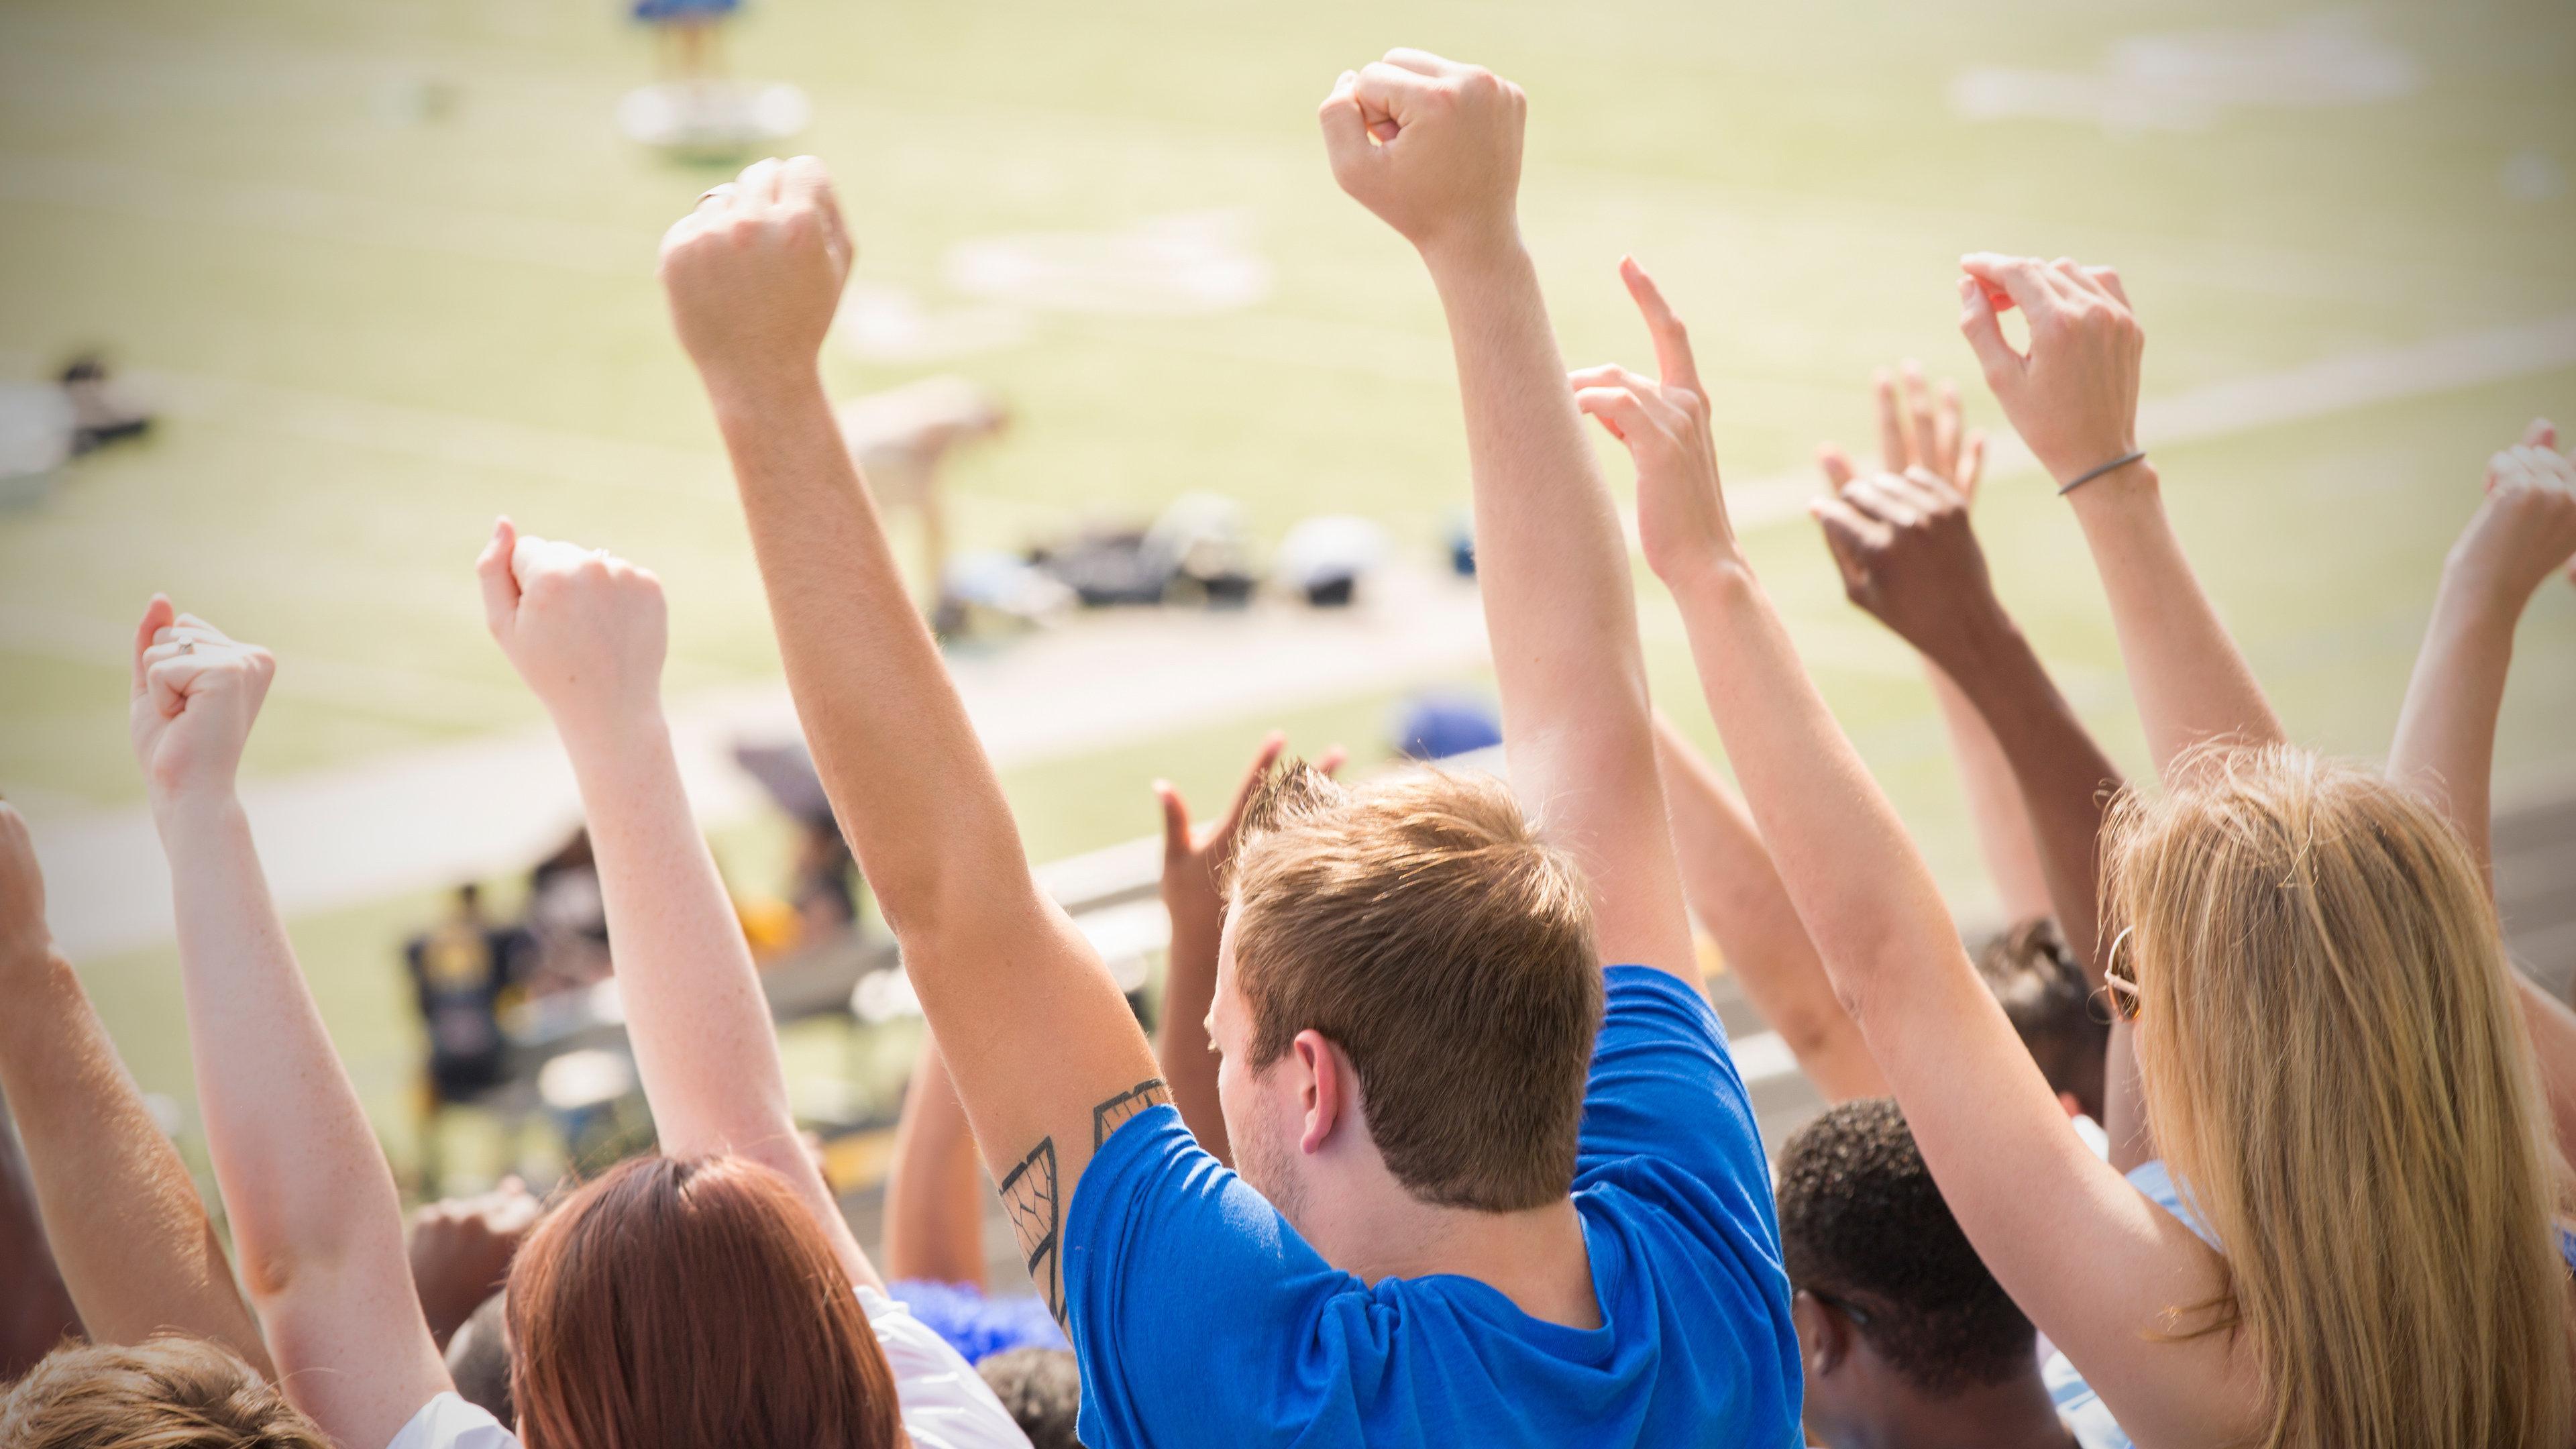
column 945, row 1403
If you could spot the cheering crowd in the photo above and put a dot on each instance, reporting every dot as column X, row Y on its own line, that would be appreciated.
column 2248, row 1133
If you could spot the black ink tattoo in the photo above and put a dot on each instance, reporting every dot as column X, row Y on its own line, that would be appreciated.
column 1111, row 1115
column 1030, row 1196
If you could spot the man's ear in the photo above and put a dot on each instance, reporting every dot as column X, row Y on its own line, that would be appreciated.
column 1325, row 1086
column 1824, row 1335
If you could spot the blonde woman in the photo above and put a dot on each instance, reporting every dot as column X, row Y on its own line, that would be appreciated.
column 2332, row 1059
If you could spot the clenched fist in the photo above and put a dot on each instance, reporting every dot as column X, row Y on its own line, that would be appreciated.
column 754, row 274
column 1430, row 145
column 584, row 629
column 196, row 694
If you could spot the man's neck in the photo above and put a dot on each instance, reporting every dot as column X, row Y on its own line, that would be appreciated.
column 2015, row 1414
column 1535, row 1257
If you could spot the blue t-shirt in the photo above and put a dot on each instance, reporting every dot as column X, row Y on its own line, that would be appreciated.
column 1202, row 1318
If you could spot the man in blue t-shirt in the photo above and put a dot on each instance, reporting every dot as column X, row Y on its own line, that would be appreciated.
column 1490, row 1192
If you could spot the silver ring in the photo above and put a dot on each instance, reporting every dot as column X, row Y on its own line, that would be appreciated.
column 187, row 646
column 719, row 189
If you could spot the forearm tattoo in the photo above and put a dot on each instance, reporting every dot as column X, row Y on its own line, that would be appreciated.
column 1033, row 1195
column 1111, row 1115
column 1029, row 1195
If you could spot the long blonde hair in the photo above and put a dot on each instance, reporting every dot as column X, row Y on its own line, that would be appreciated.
column 2337, row 1075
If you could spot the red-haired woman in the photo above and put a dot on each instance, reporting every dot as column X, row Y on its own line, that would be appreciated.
column 711, row 1294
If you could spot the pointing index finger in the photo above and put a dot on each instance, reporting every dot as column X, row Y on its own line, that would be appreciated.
column 1672, row 340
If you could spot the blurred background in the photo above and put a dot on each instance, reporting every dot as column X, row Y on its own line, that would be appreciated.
column 1170, row 422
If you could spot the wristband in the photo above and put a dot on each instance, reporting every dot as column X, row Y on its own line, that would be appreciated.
column 2114, row 466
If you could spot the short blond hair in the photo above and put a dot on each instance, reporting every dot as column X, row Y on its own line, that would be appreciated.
column 1424, row 928
column 168, row 1392
column 2337, row 1072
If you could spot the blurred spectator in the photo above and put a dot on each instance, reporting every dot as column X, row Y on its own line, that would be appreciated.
column 1435, row 726
column 569, row 919
column 1325, row 558
column 461, row 969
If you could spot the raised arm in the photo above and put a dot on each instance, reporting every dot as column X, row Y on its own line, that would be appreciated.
column 1434, row 147
column 1046, row 1056
column 129, row 1235
column 38, row 1316
column 2074, row 399
column 1728, row 878
column 2094, row 1263
column 1909, row 557
column 934, row 1201
column 312, row 1203
column 1914, row 432
column 2522, row 534
column 587, row 632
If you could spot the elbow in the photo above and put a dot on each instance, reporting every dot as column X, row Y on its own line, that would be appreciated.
column 1810, row 1029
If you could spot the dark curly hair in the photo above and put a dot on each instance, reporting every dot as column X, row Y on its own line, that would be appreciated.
column 1042, row 1387
column 1861, row 1222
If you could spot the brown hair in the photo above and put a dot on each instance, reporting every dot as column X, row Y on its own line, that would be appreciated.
column 168, row 1392
column 1422, row 926
column 2042, row 991
column 675, row 1303
column 2338, row 1076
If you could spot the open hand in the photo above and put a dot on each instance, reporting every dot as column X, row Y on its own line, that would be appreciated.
column 1681, row 516
column 26, row 941
column 585, row 630
column 1900, row 536
column 754, row 274
column 196, row 693
column 2526, row 529
column 1916, row 432
column 1194, row 864
column 1430, row 145
column 2074, row 397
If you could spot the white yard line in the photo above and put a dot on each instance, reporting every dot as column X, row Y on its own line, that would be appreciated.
column 402, row 822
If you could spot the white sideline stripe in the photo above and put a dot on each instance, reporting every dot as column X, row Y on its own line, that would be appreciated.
column 403, row 822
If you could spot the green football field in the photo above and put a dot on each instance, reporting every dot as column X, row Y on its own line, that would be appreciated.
column 388, row 264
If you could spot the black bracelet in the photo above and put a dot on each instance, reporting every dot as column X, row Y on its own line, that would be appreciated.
column 2114, row 466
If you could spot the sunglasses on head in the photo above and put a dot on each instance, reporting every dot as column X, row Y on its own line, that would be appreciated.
column 2120, row 979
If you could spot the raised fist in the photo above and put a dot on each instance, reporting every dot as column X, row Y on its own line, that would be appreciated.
column 1430, row 145
column 754, row 274
column 461, row 1250
column 584, row 629
column 196, row 694
column 2074, row 397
